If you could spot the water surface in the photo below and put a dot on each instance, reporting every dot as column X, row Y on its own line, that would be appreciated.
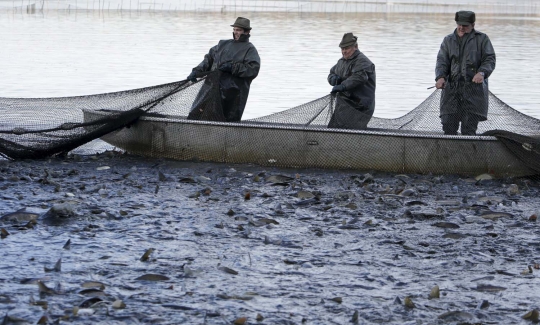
column 68, row 53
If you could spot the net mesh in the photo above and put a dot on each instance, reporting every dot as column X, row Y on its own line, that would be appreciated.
column 184, row 120
column 424, row 118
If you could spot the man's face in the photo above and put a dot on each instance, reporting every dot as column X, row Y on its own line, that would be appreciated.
column 464, row 29
column 348, row 51
column 237, row 31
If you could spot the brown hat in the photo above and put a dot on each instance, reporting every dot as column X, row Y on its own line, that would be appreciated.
column 242, row 23
column 465, row 18
column 348, row 40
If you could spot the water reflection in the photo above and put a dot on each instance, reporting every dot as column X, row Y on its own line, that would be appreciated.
column 74, row 53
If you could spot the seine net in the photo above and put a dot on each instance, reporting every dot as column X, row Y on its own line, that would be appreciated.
column 43, row 127
column 184, row 120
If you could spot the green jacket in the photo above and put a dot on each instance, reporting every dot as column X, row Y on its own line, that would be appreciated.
column 459, row 67
column 245, row 67
column 358, row 76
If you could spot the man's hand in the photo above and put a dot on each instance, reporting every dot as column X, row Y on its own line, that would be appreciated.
column 338, row 88
column 192, row 76
column 441, row 83
column 478, row 78
column 334, row 80
column 226, row 67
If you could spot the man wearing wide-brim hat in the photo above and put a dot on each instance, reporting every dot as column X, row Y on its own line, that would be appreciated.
column 465, row 61
column 353, row 81
column 238, row 63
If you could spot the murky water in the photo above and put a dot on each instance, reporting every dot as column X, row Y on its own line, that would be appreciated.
column 67, row 53
column 359, row 245
column 310, row 247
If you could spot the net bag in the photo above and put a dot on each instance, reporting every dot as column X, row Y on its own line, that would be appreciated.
column 44, row 127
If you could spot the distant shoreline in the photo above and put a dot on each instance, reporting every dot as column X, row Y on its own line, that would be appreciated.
column 523, row 7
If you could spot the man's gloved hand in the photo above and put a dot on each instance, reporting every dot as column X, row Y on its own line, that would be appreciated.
column 338, row 88
column 226, row 67
column 334, row 80
column 192, row 76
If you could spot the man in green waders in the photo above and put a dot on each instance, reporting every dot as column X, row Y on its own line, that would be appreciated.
column 465, row 61
column 353, row 81
column 238, row 61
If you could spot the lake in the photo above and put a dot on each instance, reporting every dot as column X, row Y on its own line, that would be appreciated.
column 229, row 241
column 54, row 53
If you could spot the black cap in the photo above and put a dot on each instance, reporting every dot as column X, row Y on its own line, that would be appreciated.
column 465, row 17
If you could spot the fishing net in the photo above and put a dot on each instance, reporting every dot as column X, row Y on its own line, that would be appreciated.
column 43, row 127
column 184, row 120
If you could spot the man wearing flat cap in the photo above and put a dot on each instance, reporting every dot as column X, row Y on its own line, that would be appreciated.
column 465, row 61
column 353, row 81
column 238, row 61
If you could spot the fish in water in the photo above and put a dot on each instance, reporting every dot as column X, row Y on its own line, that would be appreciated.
column 449, row 225
column 489, row 288
column 43, row 289
column 19, row 216
column 57, row 267
column 3, row 233
column 492, row 215
column 67, row 245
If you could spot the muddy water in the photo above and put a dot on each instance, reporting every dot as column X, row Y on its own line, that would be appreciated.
column 308, row 247
column 320, row 247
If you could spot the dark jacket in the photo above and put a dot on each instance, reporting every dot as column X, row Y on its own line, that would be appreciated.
column 354, row 107
column 234, row 85
column 459, row 67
